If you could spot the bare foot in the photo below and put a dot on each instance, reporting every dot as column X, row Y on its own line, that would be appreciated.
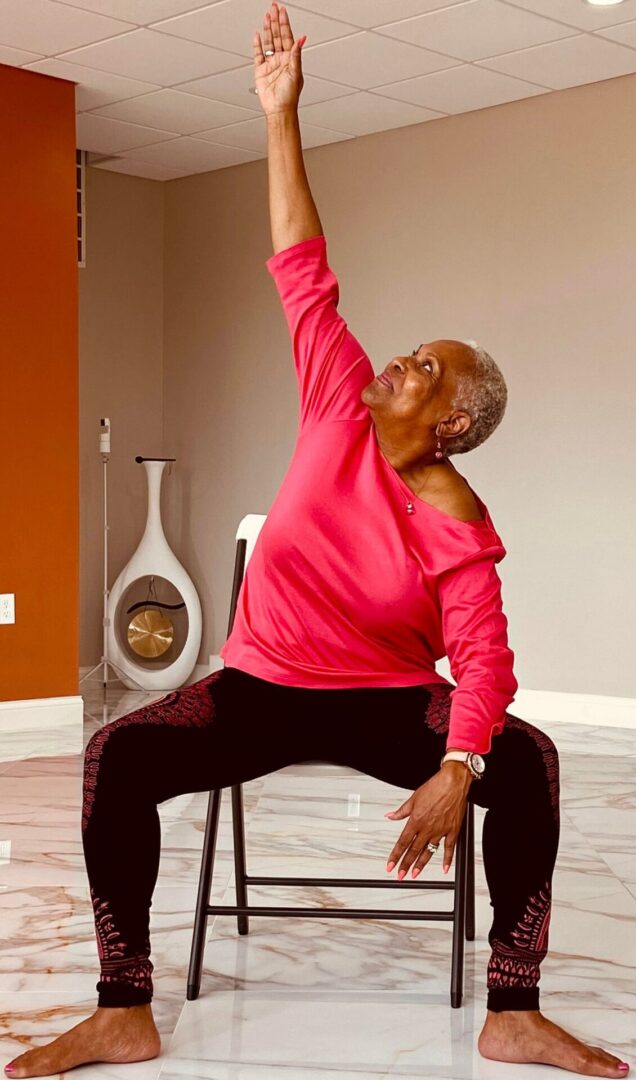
column 108, row 1035
column 528, row 1036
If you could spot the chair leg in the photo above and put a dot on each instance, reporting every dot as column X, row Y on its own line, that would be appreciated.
column 203, row 897
column 240, row 871
column 459, row 916
column 470, row 875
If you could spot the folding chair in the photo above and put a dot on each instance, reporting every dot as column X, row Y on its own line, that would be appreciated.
column 462, row 914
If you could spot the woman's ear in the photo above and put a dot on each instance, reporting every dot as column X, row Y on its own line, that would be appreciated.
column 455, row 424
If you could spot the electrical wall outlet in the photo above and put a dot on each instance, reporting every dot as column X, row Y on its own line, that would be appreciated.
column 7, row 607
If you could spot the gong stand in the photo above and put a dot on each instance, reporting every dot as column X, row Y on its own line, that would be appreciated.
column 105, row 662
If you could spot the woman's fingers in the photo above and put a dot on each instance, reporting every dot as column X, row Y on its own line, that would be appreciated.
column 275, row 25
column 449, row 849
column 267, row 33
column 424, row 857
column 259, row 58
column 406, row 838
column 287, row 37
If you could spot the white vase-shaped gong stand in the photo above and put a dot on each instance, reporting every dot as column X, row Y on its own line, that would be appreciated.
column 154, row 559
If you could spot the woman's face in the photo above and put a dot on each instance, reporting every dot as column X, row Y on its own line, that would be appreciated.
column 422, row 386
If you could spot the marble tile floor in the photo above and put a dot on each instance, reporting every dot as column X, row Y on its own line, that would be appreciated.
column 303, row 999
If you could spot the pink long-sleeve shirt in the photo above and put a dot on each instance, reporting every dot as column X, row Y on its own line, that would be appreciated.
column 345, row 587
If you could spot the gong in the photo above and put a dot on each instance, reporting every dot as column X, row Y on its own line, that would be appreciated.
column 150, row 633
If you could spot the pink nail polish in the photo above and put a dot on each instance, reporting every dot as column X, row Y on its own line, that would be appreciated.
column 401, row 874
column 418, row 870
column 623, row 1065
column 389, row 867
column 8, row 1069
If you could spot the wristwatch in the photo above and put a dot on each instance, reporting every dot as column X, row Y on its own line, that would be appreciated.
column 475, row 762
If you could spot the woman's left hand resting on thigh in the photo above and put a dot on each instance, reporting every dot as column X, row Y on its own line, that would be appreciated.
column 435, row 810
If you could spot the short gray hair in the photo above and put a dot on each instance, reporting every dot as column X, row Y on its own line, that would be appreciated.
column 483, row 394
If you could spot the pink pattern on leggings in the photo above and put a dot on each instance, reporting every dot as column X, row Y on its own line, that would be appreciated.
column 520, row 966
column 195, row 703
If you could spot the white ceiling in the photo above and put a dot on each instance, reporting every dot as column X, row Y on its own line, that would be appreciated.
column 163, row 86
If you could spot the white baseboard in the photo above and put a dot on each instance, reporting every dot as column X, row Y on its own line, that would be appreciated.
column 46, row 727
column 600, row 710
column 41, row 727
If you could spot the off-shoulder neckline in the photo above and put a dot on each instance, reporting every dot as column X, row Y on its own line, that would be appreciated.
column 478, row 523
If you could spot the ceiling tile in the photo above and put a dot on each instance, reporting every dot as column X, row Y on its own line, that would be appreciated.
column 175, row 111
column 138, row 11
column 230, row 24
column 625, row 34
column 252, row 135
column 477, row 29
column 364, row 113
column 235, row 86
column 577, row 60
column 156, row 58
column 16, row 57
column 366, row 59
column 578, row 14
column 194, row 155
column 94, row 88
column 368, row 13
column 98, row 133
column 461, row 89
column 139, row 168
column 45, row 27
column 312, row 135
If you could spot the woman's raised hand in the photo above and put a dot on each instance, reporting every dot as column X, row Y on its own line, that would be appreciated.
column 278, row 78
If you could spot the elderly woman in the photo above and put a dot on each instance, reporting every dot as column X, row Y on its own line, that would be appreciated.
column 376, row 559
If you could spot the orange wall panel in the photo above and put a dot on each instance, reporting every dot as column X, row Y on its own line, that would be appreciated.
column 39, row 429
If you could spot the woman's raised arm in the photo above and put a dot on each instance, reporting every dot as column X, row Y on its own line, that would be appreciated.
column 279, row 81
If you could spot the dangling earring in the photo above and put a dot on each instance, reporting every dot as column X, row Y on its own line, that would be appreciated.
column 439, row 452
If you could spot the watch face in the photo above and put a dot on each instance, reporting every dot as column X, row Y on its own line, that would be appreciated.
column 478, row 763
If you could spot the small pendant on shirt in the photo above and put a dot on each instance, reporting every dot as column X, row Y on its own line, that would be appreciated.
column 409, row 508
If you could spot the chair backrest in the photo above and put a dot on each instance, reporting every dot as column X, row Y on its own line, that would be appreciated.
column 248, row 530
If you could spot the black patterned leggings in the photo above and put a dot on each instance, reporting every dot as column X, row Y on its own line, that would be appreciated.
column 231, row 727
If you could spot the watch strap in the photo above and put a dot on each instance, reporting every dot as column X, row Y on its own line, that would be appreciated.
column 461, row 755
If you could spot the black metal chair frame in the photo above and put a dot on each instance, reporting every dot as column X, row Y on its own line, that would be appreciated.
column 462, row 914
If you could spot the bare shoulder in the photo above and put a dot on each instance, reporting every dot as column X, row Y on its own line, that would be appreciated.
column 454, row 497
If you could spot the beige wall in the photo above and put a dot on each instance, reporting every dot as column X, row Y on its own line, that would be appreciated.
column 121, row 357
column 512, row 225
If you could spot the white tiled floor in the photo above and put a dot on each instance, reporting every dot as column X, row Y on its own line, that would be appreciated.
column 304, row 998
